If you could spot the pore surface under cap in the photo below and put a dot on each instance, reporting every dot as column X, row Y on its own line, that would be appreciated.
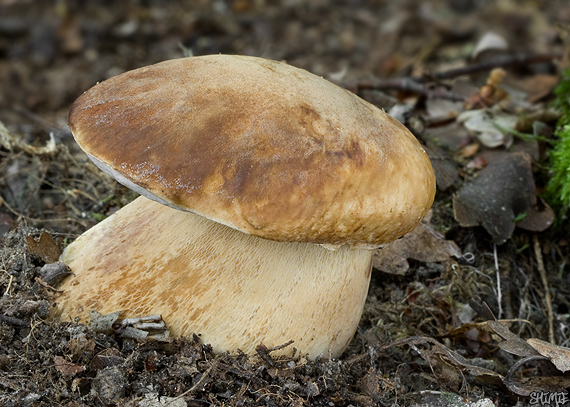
column 260, row 146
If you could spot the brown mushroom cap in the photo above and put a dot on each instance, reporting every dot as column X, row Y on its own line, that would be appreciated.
column 260, row 146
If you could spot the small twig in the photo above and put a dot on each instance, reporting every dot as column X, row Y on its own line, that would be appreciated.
column 202, row 380
column 416, row 84
column 499, row 292
column 9, row 142
column 501, row 61
column 22, row 216
column 141, row 321
column 547, row 298
column 50, row 127
column 43, row 284
column 199, row 383
column 409, row 85
column 263, row 353
column 506, row 291
column 193, row 388
column 280, row 346
column 7, row 292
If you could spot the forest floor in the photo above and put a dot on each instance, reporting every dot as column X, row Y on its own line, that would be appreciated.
column 472, row 308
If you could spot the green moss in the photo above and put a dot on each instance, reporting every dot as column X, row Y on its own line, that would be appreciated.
column 558, row 191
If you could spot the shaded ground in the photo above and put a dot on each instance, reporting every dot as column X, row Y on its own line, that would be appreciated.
column 424, row 336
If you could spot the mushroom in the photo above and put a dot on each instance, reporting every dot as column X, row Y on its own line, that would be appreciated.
column 269, row 189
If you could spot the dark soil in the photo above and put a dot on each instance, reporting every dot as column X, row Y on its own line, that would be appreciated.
column 424, row 338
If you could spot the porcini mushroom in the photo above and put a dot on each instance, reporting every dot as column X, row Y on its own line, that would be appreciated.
column 269, row 187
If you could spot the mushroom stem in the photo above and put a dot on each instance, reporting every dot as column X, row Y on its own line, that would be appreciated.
column 235, row 290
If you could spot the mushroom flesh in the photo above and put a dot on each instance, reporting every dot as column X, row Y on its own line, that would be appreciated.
column 269, row 187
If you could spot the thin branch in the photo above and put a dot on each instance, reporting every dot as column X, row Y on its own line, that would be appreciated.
column 28, row 218
column 547, row 298
column 501, row 61
column 409, row 85
column 499, row 291
column 417, row 84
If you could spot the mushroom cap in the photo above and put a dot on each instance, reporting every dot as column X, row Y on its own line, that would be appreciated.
column 258, row 145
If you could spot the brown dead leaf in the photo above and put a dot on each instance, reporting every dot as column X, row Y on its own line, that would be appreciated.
column 422, row 244
column 69, row 34
column 512, row 343
column 452, row 136
column 370, row 384
column 106, row 358
column 6, row 224
column 533, row 351
column 80, row 347
column 550, row 386
column 53, row 273
column 539, row 218
column 469, row 150
column 439, row 352
column 502, row 194
column 445, row 169
column 45, row 248
column 535, row 87
column 558, row 355
column 461, row 330
column 66, row 368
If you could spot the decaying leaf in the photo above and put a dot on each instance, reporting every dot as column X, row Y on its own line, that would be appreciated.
column 53, row 273
column 6, row 224
column 489, row 42
column 445, row 169
column 80, row 346
column 422, row 244
column 370, row 384
column 106, row 358
column 546, row 385
column 502, row 194
column 535, row 87
column 452, row 136
column 438, row 353
column 443, row 108
column 539, row 217
column 558, row 355
column 533, row 351
column 512, row 343
column 45, row 248
column 489, row 126
column 66, row 368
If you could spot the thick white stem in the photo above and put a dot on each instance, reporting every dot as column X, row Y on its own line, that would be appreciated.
column 233, row 289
